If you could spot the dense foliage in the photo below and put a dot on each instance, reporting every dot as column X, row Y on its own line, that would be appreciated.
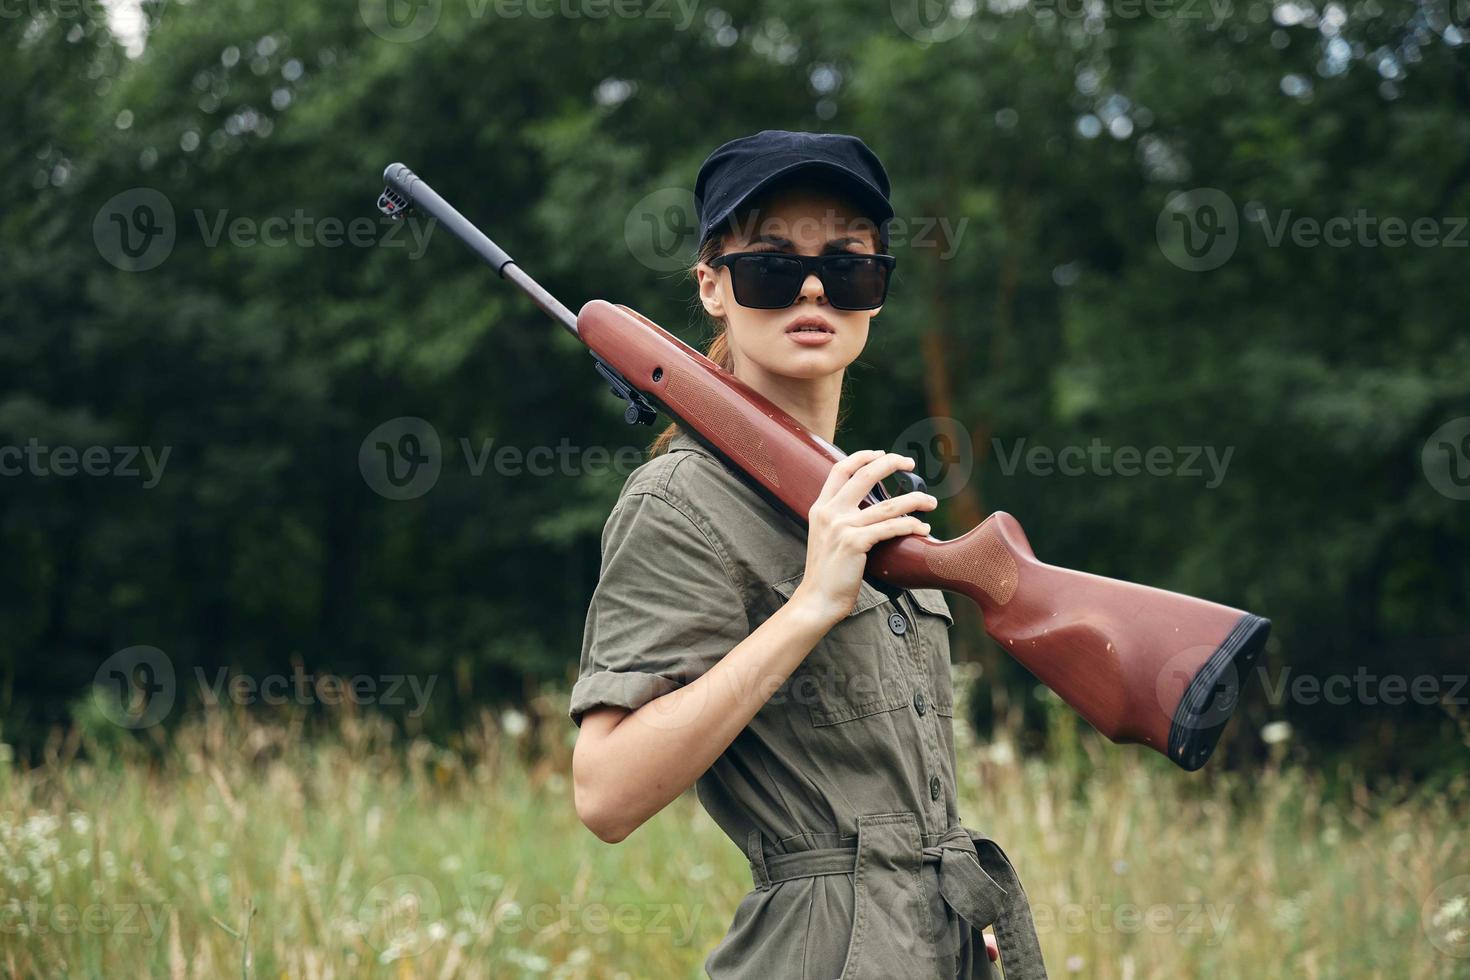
column 1046, row 300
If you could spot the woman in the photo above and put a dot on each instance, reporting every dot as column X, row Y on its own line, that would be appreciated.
column 729, row 648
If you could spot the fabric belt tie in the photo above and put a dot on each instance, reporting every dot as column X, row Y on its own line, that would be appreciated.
column 976, row 879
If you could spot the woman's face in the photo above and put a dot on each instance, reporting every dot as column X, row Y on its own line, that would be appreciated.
column 803, row 221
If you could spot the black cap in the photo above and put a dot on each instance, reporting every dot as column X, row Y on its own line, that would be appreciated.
column 744, row 167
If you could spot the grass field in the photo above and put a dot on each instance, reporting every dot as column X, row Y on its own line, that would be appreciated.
column 365, row 854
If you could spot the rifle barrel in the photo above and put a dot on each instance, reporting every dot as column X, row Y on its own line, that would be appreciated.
column 425, row 198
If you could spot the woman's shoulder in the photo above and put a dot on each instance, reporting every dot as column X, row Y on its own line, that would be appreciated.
column 691, row 478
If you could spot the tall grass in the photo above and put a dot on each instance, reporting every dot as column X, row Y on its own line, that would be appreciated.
column 263, row 845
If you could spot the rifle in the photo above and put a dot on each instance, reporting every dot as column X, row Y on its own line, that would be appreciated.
column 1140, row 664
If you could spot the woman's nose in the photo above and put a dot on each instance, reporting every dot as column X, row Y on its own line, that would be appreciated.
column 812, row 288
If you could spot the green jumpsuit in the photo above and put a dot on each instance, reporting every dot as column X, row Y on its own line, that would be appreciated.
column 841, row 789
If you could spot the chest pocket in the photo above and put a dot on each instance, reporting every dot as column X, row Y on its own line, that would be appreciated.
column 935, row 619
column 859, row 668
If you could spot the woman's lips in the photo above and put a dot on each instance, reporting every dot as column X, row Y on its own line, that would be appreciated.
column 811, row 332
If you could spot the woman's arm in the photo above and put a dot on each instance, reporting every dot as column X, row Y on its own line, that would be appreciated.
column 628, row 765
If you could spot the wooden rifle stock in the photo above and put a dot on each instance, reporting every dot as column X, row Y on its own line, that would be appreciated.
column 1140, row 664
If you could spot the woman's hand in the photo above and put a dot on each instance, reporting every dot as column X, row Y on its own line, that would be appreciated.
column 840, row 532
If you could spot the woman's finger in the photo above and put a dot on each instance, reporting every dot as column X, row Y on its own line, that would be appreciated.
column 868, row 535
column 895, row 507
column 843, row 470
column 858, row 485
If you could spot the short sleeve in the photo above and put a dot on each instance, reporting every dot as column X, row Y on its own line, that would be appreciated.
column 665, row 609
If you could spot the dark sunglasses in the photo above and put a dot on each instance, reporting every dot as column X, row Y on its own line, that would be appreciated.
column 772, row 280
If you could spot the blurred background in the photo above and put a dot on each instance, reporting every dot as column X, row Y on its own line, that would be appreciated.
column 1182, row 285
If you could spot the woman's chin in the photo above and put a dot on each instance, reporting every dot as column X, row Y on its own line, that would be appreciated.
column 811, row 363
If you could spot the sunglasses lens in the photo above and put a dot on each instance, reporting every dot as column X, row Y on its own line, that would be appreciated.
column 766, row 282
column 856, row 283
column 772, row 281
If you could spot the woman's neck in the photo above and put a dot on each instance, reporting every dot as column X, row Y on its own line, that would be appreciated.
column 811, row 401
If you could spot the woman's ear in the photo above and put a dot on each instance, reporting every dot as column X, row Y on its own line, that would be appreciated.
column 709, row 290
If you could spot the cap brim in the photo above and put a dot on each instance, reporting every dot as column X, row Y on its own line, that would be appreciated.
column 874, row 203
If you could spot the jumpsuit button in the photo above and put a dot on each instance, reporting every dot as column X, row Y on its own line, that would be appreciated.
column 933, row 787
column 919, row 704
column 897, row 623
